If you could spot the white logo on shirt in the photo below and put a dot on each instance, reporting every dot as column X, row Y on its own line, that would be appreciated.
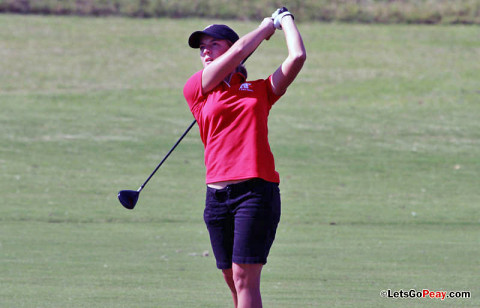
column 245, row 87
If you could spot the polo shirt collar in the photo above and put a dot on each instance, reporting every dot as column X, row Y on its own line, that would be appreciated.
column 237, row 78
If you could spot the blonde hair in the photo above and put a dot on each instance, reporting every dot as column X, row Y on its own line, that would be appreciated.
column 242, row 70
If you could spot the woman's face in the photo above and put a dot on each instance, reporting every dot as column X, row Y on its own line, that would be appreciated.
column 211, row 48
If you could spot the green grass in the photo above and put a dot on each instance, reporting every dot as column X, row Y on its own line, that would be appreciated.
column 377, row 144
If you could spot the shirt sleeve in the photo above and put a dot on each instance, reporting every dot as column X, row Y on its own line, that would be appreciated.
column 192, row 91
column 272, row 97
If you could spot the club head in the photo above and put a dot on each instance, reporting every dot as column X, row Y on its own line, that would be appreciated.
column 128, row 198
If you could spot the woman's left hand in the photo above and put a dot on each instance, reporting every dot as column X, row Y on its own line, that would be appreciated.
column 269, row 26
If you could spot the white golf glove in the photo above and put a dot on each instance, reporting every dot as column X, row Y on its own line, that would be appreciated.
column 278, row 15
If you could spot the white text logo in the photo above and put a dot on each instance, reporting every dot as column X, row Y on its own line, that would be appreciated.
column 245, row 87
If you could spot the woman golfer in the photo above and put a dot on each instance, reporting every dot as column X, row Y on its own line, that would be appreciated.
column 243, row 199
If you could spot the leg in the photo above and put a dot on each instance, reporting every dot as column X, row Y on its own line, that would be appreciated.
column 228, row 276
column 247, row 284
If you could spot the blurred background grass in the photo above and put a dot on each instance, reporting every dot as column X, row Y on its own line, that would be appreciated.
column 364, row 11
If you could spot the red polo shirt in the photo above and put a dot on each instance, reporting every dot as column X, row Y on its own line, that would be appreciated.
column 232, row 119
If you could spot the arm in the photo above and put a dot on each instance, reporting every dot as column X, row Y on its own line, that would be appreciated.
column 297, row 55
column 214, row 73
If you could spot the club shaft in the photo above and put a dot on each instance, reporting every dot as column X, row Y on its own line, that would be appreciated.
column 168, row 154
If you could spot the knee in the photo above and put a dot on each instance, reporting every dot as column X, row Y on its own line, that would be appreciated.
column 246, row 277
column 228, row 274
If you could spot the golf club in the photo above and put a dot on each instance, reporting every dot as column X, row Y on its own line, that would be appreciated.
column 129, row 198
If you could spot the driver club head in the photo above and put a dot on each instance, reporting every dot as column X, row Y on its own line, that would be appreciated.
column 128, row 198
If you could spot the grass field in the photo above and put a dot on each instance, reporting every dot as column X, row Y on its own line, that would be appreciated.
column 377, row 144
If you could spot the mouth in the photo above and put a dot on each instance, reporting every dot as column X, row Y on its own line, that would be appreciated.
column 208, row 61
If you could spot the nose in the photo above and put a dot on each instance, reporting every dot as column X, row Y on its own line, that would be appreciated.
column 206, row 51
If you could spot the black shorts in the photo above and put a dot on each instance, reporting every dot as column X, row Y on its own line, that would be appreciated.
column 242, row 220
